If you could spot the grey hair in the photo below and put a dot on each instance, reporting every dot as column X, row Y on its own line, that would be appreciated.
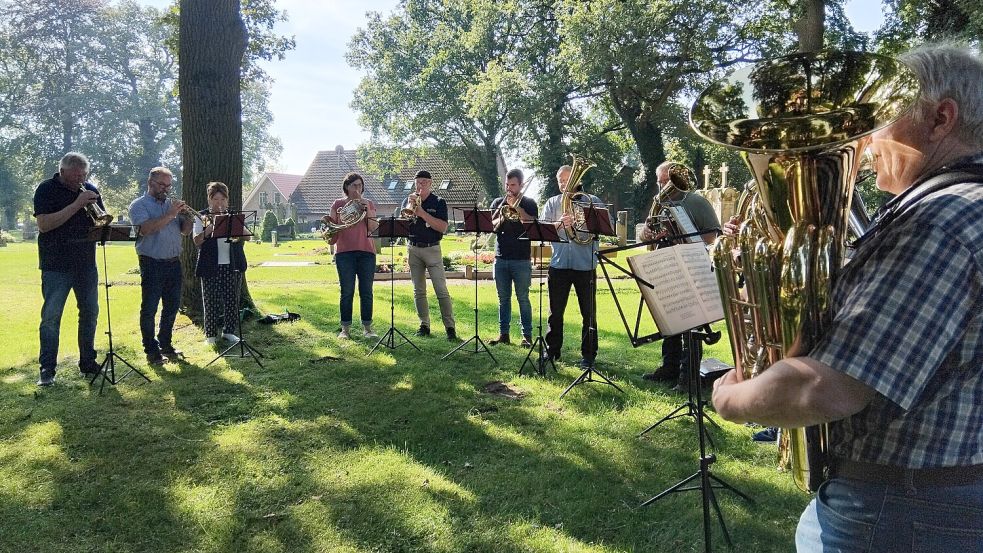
column 950, row 70
column 74, row 160
column 563, row 168
column 158, row 171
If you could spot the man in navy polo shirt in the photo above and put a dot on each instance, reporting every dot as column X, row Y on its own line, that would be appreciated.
column 163, row 222
column 67, row 262
column 425, row 256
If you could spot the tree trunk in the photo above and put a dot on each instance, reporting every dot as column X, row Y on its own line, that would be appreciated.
column 811, row 25
column 552, row 151
column 212, row 42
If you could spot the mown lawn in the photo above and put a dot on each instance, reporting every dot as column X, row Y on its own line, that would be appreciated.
column 328, row 449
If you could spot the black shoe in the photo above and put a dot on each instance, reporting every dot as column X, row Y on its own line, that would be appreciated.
column 502, row 339
column 47, row 377
column 169, row 350
column 767, row 435
column 664, row 373
column 89, row 368
column 156, row 359
column 586, row 364
column 423, row 331
column 451, row 335
column 526, row 342
column 548, row 357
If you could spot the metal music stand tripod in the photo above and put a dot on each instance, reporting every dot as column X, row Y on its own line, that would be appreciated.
column 392, row 228
column 476, row 221
column 233, row 225
column 107, row 369
column 707, row 480
column 544, row 232
column 598, row 222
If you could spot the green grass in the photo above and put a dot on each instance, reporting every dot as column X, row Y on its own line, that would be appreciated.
column 399, row 451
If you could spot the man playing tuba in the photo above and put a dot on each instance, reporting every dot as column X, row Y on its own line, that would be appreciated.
column 675, row 187
column 897, row 373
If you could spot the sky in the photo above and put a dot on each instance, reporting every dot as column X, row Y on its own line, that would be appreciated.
column 313, row 85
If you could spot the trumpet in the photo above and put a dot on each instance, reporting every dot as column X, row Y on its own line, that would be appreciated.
column 205, row 220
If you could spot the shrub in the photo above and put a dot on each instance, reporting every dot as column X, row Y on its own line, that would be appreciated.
column 270, row 223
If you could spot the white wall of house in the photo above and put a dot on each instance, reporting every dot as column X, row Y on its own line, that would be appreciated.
column 266, row 196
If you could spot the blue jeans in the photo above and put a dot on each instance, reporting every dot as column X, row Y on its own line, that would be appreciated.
column 55, row 286
column 518, row 271
column 160, row 283
column 853, row 516
column 350, row 265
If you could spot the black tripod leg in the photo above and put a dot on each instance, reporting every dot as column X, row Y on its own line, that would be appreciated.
column 674, row 488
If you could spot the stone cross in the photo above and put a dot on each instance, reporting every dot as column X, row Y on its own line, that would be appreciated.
column 706, row 176
column 723, row 175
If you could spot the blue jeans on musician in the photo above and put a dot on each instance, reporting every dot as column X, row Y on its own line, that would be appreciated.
column 55, row 287
column 160, row 283
column 853, row 516
column 351, row 265
column 507, row 273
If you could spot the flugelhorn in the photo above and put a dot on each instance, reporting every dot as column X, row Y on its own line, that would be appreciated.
column 573, row 200
column 801, row 123
column 412, row 202
column 96, row 214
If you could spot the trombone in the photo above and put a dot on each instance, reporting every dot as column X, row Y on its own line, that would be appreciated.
column 509, row 212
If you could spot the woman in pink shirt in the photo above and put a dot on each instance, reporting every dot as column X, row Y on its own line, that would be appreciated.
column 355, row 256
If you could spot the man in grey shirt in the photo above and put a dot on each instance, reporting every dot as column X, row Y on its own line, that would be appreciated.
column 163, row 224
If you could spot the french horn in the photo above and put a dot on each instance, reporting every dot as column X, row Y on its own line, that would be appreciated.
column 349, row 215
column 801, row 123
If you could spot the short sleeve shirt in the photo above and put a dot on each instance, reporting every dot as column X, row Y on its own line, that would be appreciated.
column 509, row 245
column 64, row 249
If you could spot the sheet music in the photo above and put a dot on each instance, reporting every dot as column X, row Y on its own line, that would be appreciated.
column 684, row 223
column 698, row 265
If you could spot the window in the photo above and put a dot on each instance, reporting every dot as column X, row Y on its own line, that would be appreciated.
column 409, row 184
column 445, row 184
column 276, row 198
column 264, row 199
column 392, row 184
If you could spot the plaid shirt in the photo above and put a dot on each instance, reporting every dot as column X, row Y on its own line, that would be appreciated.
column 908, row 322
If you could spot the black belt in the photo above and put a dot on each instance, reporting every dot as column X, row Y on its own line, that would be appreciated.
column 168, row 260
column 424, row 244
column 900, row 476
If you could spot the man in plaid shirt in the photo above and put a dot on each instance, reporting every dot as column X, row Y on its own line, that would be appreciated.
column 899, row 374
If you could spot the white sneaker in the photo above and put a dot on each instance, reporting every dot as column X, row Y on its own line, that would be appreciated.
column 343, row 335
column 369, row 333
column 211, row 340
column 231, row 337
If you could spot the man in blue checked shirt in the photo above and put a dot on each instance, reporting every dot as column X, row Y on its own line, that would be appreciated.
column 899, row 374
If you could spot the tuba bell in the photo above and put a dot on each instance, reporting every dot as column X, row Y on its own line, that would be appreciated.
column 574, row 199
column 349, row 215
column 801, row 123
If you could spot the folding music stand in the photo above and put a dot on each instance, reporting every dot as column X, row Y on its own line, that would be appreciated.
column 598, row 222
column 544, row 232
column 231, row 226
column 392, row 228
column 708, row 481
column 476, row 221
column 107, row 369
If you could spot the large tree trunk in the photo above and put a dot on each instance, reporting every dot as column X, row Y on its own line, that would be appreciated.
column 811, row 25
column 552, row 151
column 212, row 42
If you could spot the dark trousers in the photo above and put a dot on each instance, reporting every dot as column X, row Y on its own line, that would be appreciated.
column 559, row 284
column 160, row 283
column 219, row 294
column 675, row 355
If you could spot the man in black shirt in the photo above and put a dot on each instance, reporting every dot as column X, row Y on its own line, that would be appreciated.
column 67, row 262
column 513, row 259
column 424, row 255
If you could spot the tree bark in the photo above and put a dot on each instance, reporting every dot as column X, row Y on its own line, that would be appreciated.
column 211, row 44
column 811, row 25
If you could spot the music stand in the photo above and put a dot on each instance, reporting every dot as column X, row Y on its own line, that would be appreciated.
column 392, row 228
column 598, row 222
column 544, row 232
column 708, row 481
column 476, row 221
column 107, row 369
column 231, row 226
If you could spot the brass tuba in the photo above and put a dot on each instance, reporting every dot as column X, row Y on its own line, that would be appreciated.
column 801, row 123
column 574, row 199
column 349, row 215
column 659, row 219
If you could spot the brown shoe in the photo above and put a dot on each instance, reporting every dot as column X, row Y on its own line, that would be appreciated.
column 502, row 339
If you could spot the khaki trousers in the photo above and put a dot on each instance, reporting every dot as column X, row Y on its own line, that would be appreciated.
column 430, row 260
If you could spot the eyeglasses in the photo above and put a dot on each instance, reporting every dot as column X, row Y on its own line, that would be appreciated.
column 159, row 183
